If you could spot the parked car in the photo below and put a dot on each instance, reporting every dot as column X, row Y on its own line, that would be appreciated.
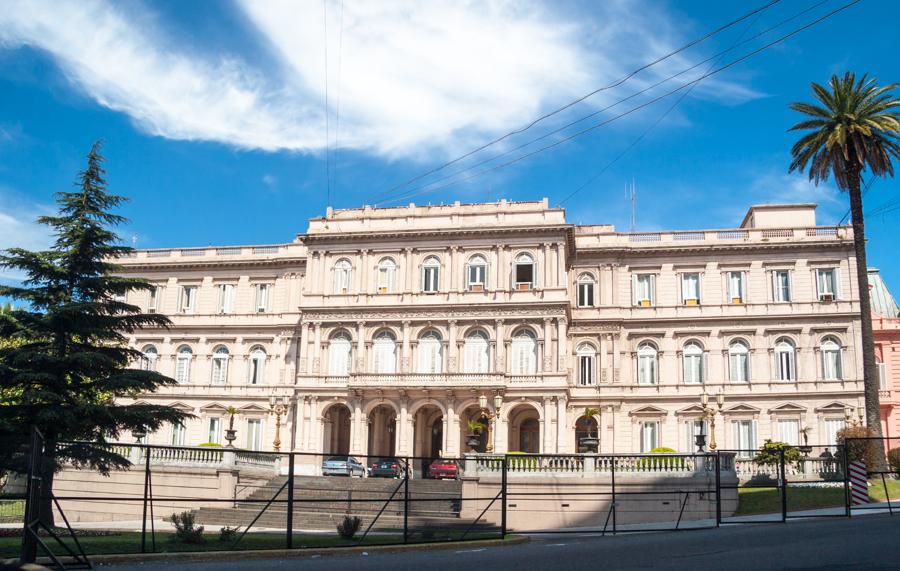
column 386, row 468
column 443, row 469
column 343, row 466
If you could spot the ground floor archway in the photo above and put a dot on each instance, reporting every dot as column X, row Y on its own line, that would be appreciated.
column 469, row 414
column 524, row 429
column 382, row 432
column 336, row 430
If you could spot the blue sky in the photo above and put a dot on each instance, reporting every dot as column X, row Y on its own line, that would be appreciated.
column 214, row 119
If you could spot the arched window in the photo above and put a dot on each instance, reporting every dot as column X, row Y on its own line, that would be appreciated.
column 738, row 362
column 220, row 365
column 647, row 364
column 477, row 352
column 430, row 353
column 149, row 358
column 832, row 362
column 694, row 368
column 431, row 273
column 785, row 360
column 476, row 274
column 340, row 349
column 385, row 278
column 384, row 358
column 585, row 427
column 586, row 290
column 343, row 274
column 524, row 353
column 587, row 364
column 257, row 373
column 183, row 364
column 523, row 272
column 529, row 436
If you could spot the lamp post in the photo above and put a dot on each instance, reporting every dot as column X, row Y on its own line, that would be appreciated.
column 491, row 416
column 709, row 413
column 278, row 406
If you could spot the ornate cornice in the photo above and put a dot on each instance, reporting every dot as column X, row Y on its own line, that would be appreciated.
column 156, row 264
column 434, row 313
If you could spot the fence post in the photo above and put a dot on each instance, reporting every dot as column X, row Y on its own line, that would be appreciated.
column 290, row 502
column 613, row 485
column 503, row 483
column 146, row 493
column 783, row 477
column 406, row 502
column 718, row 490
column 845, row 466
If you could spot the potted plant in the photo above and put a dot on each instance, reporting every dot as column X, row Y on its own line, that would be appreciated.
column 230, row 432
column 473, row 439
column 592, row 441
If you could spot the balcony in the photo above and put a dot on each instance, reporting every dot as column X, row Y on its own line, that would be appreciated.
column 421, row 380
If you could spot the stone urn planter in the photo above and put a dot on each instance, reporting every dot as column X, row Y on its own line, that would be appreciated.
column 589, row 443
column 473, row 440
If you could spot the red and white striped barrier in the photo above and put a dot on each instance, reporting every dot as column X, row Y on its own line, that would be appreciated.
column 859, row 483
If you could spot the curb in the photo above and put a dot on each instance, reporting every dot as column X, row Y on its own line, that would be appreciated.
column 298, row 553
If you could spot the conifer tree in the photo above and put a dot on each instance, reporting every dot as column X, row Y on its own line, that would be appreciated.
column 71, row 362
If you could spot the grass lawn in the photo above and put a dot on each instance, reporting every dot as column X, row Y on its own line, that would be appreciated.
column 11, row 510
column 130, row 542
column 768, row 500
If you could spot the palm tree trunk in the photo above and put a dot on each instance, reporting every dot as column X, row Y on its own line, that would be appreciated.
column 870, row 369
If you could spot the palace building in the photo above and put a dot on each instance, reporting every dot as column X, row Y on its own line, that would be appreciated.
column 383, row 331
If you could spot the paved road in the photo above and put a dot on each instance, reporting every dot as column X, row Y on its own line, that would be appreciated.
column 871, row 542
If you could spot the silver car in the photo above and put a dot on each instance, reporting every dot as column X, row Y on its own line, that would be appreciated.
column 343, row 466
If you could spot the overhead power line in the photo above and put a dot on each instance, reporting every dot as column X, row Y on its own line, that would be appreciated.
column 430, row 188
column 866, row 187
column 327, row 134
column 580, row 99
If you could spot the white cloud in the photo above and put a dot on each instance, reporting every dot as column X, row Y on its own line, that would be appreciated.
column 413, row 77
column 269, row 180
column 19, row 228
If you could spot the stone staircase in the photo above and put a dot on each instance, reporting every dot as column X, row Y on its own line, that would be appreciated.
column 321, row 502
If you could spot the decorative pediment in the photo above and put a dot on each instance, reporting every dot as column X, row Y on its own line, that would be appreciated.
column 742, row 409
column 253, row 408
column 649, row 410
column 692, row 410
column 213, row 407
column 833, row 407
column 787, row 408
column 181, row 406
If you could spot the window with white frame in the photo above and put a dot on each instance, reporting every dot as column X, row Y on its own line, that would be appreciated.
column 523, row 272
column 647, row 364
column 153, row 302
column 827, row 284
column 220, row 365
column 781, row 285
column 524, row 353
column 254, row 434
column 649, row 435
column 215, row 430
column 737, row 287
column 431, row 272
column 226, row 298
column 743, row 433
column 832, row 427
column 832, row 360
column 643, row 288
column 738, row 362
column 587, row 364
column 149, row 358
column 121, row 297
column 430, row 352
column 183, row 364
column 340, row 349
column 385, row 276
column 690, row 288
column 188, row 302
column 693, row 358
column 263, row 295
column 586, row 290
column 476, row 358
column 343, row 274
column 257, row 366
column 789, row 431
column 882, row 376
column 692, row 429
column 476, row 274
column 384, row 353
column 785, row 360
column 178, row 434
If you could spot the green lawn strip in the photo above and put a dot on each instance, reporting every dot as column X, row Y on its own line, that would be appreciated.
column 876, row 490
column 768, row 500
column 11, row 510
column 130, row 542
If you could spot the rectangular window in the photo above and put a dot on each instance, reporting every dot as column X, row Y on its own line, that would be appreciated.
column 120, row 297
column 586, row 294
column 153, row 304
column 586, row 369
column 826, row 284
column 831, row 365
column 178, row 434
column 646, row 369
column 385, row 279
column 832, row 427
column 736, row 287
column 789, row 432
column 188, row 299
column 255, row 434
column 781, row 285
column 215, row 430
column 693, row 428
column 649, row 435
column 226, row 298
column 644, row 289
column 430, row 279
column 476, row 277
column 744, row 434
column 882, row 377
column 693, row 368
column 263, row 292
column 690, row 289
column 524, row 275
column 784, row 361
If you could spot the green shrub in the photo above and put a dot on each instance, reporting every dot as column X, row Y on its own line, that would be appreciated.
column 660, row 461
column 228, row 534
column 894, row 459
column 770, row 454
column 348, row 528
column 858, row 450
column 210, row 444
column 186, row 530
column 520, row 461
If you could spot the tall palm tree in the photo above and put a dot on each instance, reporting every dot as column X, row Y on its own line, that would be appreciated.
column 855, row 127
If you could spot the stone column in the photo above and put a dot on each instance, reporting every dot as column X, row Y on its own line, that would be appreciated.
column 313, row 432
column 403, row 427
column 312, row 270
column 456, row 280
column 561, row 345
column 301, row 427
column 362, row 278
column 561, row 263
column 494, row 260
column 547, row 433
column 547, row 364
column 409, row 285
column 499, row 349
column 453, row 349
column 405, row 358
column 501, row 435
column 360, row 364
column 451, row 429
column 317, row 348
column 548, row 267
column 357, row 419
column 564, row 435
column 324, row 272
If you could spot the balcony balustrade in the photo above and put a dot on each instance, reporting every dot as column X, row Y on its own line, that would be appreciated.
column 434, row 379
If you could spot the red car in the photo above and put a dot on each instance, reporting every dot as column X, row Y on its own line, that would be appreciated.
column 443, row 469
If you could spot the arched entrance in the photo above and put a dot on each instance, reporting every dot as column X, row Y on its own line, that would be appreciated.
column 524, row 429
column 382, row 432
column 469, row 414
column 585, row 427
column 428, row 436
column 336, row 430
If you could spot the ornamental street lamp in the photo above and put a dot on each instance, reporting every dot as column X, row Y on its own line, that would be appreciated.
column 709, row 413
column 278, row 406
column 490, row 416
